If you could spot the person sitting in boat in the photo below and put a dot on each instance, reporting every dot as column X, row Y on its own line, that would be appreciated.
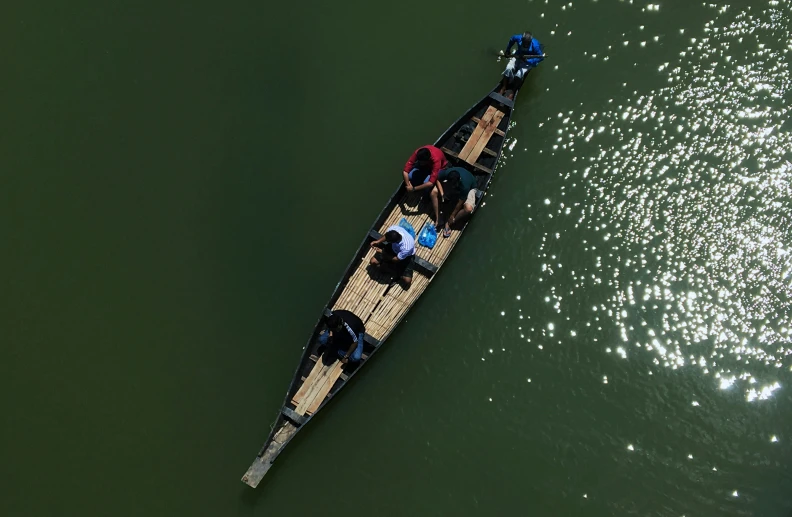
column 520, row 64
column 463, row 185
column 343, row 337
column 397, row 249
column 421, row 170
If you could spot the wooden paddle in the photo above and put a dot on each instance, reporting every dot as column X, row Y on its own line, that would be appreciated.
column 503, row 54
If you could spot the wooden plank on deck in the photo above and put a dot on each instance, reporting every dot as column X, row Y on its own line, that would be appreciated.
column 487, row 131
column 476, row 136
column 298, row 397
column 478, row 121
column 449, row 152
column 313, row 401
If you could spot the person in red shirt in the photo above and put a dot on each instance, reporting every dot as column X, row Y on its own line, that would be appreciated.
column 421, row 170
column 420, row 174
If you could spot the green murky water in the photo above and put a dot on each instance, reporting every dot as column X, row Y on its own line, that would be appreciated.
column 183, row 184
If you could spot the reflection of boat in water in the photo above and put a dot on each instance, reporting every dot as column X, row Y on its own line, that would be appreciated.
column 475, row 142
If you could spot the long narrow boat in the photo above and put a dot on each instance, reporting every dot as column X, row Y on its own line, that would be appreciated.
column 476, row 142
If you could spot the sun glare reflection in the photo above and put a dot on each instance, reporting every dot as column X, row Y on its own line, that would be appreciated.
column 680, row 197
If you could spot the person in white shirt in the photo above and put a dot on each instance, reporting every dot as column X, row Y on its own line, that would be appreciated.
column 397, row 249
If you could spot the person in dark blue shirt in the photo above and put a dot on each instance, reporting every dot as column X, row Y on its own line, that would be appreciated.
column 344, row 337
column 520, row 63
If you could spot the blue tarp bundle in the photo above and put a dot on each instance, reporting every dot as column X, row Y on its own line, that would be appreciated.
column 428, row 235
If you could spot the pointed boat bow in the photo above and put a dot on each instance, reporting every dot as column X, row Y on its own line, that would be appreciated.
column 276, row 443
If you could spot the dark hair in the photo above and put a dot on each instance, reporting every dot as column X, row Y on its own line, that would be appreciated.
column 334, row 321
column 455, row 181
column 423, row 155
column 528, row 35
column 393, row 236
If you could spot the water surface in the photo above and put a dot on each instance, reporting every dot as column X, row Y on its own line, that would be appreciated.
column 183, row 185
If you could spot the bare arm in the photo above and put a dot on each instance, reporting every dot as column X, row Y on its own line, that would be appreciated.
column 424, row 186
column 407, row 181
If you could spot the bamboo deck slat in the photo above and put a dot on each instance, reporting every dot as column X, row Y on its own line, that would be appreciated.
column 396, row 304
column 441, row 250
column 361, row 301
column 362, row 292
column 375, row 330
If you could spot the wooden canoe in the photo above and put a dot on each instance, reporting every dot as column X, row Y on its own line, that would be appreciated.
column 372, row 295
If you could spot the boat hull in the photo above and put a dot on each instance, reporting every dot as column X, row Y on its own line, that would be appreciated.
column 475, row 141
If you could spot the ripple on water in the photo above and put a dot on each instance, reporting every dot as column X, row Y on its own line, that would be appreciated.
column 684, row 208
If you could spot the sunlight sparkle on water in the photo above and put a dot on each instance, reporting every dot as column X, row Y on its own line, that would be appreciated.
column 682, row 205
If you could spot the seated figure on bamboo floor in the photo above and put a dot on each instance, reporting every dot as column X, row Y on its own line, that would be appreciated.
column 343, row 337
column 420, row 175
column 397, row 249
column 462, row 189
column 420, row 171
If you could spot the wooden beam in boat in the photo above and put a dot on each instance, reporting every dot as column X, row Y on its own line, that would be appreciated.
column 478, row 121
column 503, row 100
column 424, row 266
column 485, row 122
column 449, row 152
column 486, row 134
column 293, row 415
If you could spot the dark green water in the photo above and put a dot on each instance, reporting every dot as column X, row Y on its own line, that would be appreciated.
column 181, row 186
